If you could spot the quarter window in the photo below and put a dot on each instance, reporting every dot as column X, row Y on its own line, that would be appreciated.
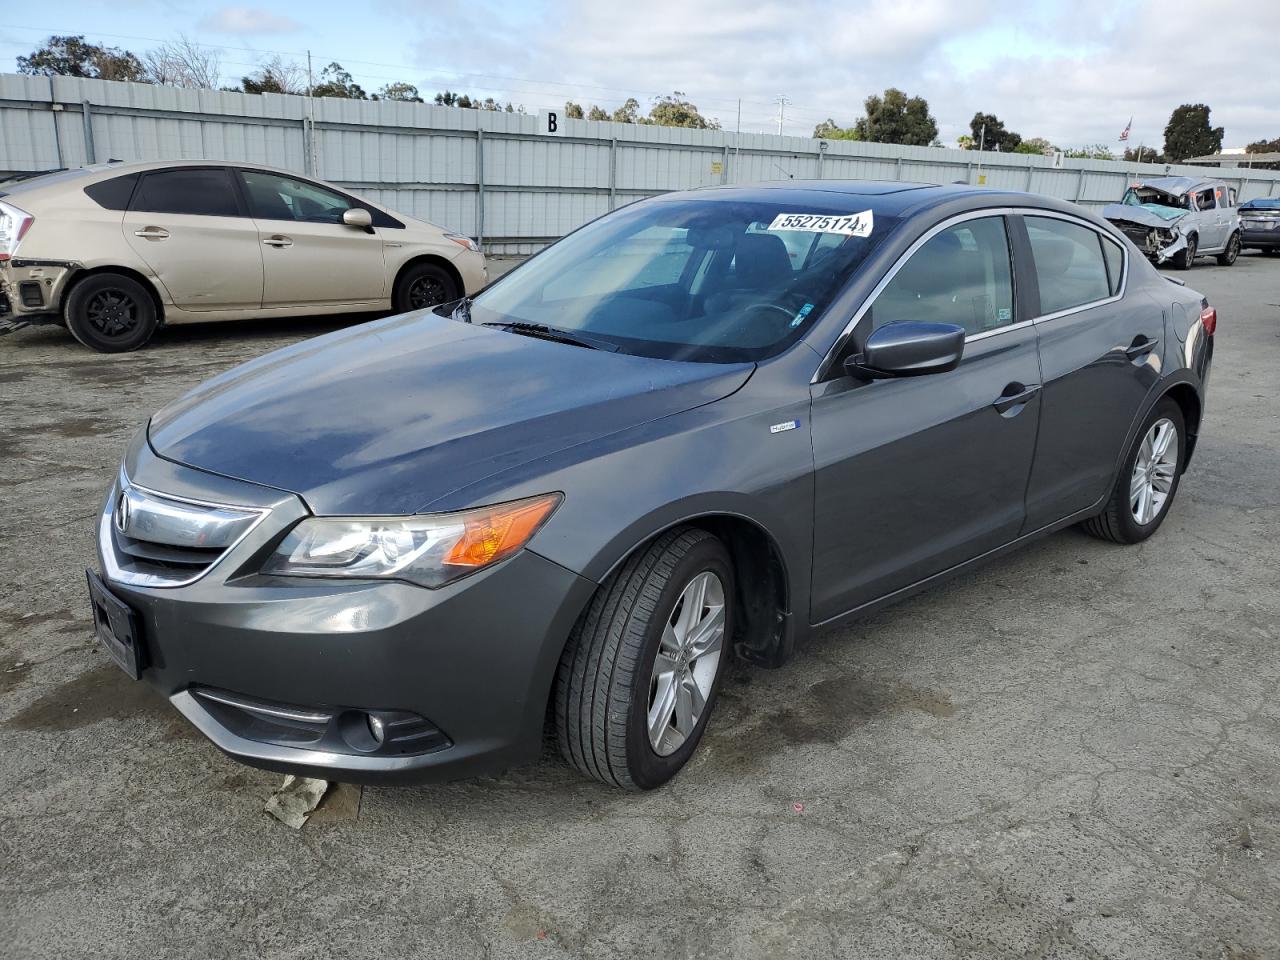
column 1114, row 256
column 1069, row 264
column 203, row 192
column 962, row 275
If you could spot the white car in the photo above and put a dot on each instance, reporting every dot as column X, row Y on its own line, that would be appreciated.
column 115, row 250
column 1179, row 219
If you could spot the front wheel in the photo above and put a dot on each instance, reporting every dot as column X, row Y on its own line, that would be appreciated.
column 1185, row 257
column 422, row 286
column 1228, row 256
column 638, row 679
column 1148, row 479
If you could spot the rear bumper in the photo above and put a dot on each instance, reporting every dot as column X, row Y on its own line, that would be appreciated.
column 1260, row 239
column 33, row 288
column 474, row 660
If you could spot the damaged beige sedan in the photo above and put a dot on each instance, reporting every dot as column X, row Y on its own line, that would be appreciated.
column 1176, row 219
column 116, row 250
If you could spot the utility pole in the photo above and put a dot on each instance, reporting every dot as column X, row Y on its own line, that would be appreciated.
column 782, row 102
column 310, row 145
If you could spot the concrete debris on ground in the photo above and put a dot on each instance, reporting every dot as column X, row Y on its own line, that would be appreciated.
column 295, row 800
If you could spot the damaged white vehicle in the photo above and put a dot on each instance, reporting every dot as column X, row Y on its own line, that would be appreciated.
column 1180, row 218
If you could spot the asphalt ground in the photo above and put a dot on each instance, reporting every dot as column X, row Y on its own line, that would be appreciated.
column 1071, row 753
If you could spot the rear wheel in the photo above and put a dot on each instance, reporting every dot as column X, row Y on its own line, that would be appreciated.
column 1148, row 480
column 111, row 313
column 1228, row 256
column 1185, row 257
column 423, row 285
column 638, row 679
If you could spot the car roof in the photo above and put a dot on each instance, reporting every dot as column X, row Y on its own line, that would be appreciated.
column 891, row 198
column 1178, row 185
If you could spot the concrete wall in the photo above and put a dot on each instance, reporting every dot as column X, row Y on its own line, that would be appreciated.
column 492, row 175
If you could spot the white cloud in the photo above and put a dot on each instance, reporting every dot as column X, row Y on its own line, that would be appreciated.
column 248, row 21
column 1073, row 71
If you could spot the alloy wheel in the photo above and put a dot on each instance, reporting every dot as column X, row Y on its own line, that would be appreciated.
column 426, row 292
column 1154, row 472
column 688, row 658
column 112, row 313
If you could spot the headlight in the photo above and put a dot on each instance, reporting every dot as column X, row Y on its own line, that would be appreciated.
column 462, row 241
column 430, row 550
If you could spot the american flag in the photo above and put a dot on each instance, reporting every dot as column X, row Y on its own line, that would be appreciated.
column 1124, row 134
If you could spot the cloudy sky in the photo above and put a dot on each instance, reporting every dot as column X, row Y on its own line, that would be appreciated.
column 1073, row 71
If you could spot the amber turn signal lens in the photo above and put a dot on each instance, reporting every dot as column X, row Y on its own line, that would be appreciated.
column 493, row 533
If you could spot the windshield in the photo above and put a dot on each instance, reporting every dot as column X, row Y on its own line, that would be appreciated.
column 692, row 279
column 1162, row 204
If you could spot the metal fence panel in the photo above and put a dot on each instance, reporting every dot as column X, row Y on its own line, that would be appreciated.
column 490, row 174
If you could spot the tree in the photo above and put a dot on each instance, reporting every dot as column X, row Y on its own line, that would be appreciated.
column 1093, row 151
column 675, row 111
column 72, row 56
column 275, row 75
column 1188, row 133
column 337, row 82
column 184, row 63
column 629, row 112
column 573, row 111
column 1142, row 154
column 595, row 113
column 404, row 92
column 897, row 118
column 1037, row 146
column 828, row 129
column 1264, row 146
column 990, row 134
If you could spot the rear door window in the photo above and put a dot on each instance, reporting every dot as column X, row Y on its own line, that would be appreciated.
column 1069, row 264
column 962, row 275
column 196, row 191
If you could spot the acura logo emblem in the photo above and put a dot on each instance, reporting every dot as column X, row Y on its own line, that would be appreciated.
column 122, row 512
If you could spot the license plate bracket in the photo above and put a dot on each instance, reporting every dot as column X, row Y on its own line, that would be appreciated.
column 116, row 627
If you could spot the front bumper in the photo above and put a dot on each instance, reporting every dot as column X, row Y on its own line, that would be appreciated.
column 475, row 659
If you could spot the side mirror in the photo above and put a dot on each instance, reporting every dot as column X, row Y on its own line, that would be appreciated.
column 908, row 349
column 357, row 217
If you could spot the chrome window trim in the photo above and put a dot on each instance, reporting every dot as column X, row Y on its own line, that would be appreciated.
column 107, row 547
column 829, row 358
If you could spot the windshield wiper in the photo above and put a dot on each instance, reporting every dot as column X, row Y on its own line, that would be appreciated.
column 541, row 331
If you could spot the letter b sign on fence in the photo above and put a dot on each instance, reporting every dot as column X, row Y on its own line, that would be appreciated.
column 551, row 123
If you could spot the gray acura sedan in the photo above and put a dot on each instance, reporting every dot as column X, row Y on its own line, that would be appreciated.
column 700, row 427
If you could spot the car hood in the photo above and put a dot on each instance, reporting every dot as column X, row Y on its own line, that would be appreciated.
column 384, row 418
column 1127, row 212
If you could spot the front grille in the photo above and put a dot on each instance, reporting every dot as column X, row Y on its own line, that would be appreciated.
column 331, row 729
column 156, row 540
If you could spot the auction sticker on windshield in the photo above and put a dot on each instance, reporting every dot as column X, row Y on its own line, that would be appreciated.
column 851, row 225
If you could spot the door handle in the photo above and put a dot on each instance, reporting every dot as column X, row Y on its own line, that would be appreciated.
column 152, row 233
column 1015, row 395
column 1140, row 347
column 279, row 242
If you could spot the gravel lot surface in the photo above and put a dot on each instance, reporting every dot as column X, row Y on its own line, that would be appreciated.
column 1072, row 753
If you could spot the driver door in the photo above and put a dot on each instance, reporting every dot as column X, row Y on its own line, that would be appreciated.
column 914, row 475
column 310, row 258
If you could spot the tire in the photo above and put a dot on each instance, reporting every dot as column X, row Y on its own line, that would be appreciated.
column 1185, row 257
column 422, row 286
column 607, row 676
column 111, row 313
column 1228, row 256
column 1118, row 522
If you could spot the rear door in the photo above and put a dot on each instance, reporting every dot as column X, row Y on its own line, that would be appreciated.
column 917, row 474
column 1100, row 352
column 187, row 225
column 310, row 257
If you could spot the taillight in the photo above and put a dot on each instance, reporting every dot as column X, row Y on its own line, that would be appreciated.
column 14, row 224
column 1209, row 320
